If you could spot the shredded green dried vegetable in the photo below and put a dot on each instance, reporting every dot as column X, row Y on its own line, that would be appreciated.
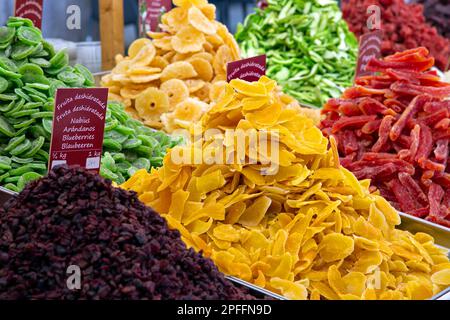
column 310, row 51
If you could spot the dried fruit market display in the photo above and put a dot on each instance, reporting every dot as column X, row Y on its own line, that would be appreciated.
column 310, row 230
column 394, row 128
column 124, row 249
column 403, row 25
column 30, row 73
column 169, row 81
column 311, row 53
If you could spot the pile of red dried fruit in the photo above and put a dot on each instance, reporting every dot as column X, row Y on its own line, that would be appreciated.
column 403, row 25
column 437, row 13
column 123, row 248
column 394, row 128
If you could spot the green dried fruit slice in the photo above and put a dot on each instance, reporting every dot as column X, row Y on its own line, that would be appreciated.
column 82, row 70
column 26, row 178
column 112, row 145
column 6, row 34
column 8, row 97
column 60, row 59
column 25, row 124
column 41, row 62
column 21, row 51
column 8, row 64
column 24, row 113
column 8, row 107
column 31, row 68
column 9, row 74
column 35, row 78
column 22, row 148
column 48, row 47
column 4, row 84
column 29, row 35
column 21, row 160
column 6, row 129
column 11, row 187
column 35, row 147
column 46, row 114
column 47, row 124
column 19, row 21
column 142, row 163
column 14, row 142
column 71, row 79
column 132, row 144
column 22, row 94
column 39, row 86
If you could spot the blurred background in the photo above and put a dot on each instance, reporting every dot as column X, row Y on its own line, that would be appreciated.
column 230, row 12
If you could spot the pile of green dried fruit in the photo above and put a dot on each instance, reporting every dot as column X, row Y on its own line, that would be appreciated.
column 311, row 53
column 30, row 73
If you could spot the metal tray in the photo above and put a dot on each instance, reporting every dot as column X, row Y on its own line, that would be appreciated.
column 413, row 224
column 256, row 291
column 5, row 195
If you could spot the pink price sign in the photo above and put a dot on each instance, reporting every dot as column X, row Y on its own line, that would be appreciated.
column 150, row 12
column 78, row 127
column 31, row 9
column 369, row 47
column 250, row 69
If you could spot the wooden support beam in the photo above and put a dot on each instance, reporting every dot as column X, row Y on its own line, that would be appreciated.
column 111, row 31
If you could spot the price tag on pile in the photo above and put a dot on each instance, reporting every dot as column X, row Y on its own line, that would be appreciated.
column 150, row 12
column 78, row 127
column 31, row 9
column 369, row 47
column 250, row 69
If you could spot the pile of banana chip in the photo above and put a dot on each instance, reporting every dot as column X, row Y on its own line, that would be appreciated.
column 308, row 230
column 169, row 81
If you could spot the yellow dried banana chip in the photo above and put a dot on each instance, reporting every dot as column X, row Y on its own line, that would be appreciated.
column 159, row 62
column 217, row 90
column 136, row 47
column 223, row 56
column 176, row 90
column 189, row 3
column 178, row 70
column 194, row 84
column 188, row 39
column 203, row 93
column 145, row 78
column 145, row 55
column 203, row 68
column 209, row 10
column 164, row 43
column 175, row 18
column 200, row 22
column 151, row 103
column 143, row 71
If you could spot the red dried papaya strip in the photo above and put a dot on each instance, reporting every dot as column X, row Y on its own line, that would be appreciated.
column 415, row 54
column 435, row 196
column 404, row 198
column 359, row 91
column 426, row 143
column 413, row 187
column 401, row 87
column 381, row 66
column 415, row 140
column 441, row 151
column 352, row 122
column 383, row 133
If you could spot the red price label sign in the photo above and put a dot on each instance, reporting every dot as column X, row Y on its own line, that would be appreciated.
column 150, row 12
column 250, row 69
column 31, row 9
column 369, row 47
column 78, row 127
